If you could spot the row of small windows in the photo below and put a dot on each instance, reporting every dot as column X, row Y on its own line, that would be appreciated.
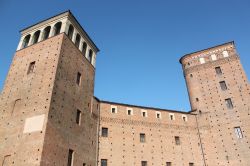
column 28, row 40
column 104, row 162
column 214, row 57
column 45, row 34
column 144, row 113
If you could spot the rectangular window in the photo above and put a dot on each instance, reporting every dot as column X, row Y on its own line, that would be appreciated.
column 78, row 117
column 218, row 71
column 184, row 118
column 238, row 132
column 144, row 113
column 70, row 157
column 104, row 132
column 229, row 103
column 129, row 111
column 202, row 60
column 142, row 137
column 191, row 164
column 104, row 162
column 113, row 109
column 171, row 116
column 78, row 78
column 158, row 115
column 144, row 163
column 177, row 140
column 31, row 67
column 223, row 85
column 168, row 164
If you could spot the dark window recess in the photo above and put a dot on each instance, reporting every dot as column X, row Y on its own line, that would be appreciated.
column 197, row 99
column 78, row 117
column 168, row 164
column 144, row 114
column 36, row 37
column 223, row 85
column 113, row 110
column 84, row 48
column 31, row 67
column 142, row 137
column 78, row 78
column 129, row 112
column 104, row 132
column 229, row 103
column 70, row 157
column 26, row 41
column 177, row 140
column 144, row 163
column 218, row 71
column 57, row 28
column 77, row 42
column 90, row 55
column 70, row 31
column 84, row 164
column 46, row 33
column 104, row 162
column 191, row 164
column 238, row 132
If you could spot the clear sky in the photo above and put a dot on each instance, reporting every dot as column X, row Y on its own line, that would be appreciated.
column 141, row 41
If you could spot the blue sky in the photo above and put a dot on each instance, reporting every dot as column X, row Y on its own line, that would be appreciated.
column 141, row 41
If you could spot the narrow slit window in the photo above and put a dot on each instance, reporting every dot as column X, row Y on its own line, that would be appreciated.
column 177, row 140
column 78, row 117
column 104, row 132
column 142, row 137
column 229, row 103
column 158, row 115
column 70, row 157
column 144, row 114
column 78, row 79
column 191, row 164
column 223, row 85
column 129, row 112
column 104, row 162
column 31, row 67
column 238, row 132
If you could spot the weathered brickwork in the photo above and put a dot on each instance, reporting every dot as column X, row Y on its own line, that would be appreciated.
column 49, row 115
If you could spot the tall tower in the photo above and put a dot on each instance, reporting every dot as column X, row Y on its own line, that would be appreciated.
column 48, row 113
column 220, row 97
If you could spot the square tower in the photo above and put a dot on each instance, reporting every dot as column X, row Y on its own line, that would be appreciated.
column 48, row 113
column 220, row 98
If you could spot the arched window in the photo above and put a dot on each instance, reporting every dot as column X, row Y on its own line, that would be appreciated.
column 84, row 47
column 57, row 28
column 78, row 38
column 26, row 41
column 46, row 32
column 90, row 55
column 36, row 37
column 70, row 31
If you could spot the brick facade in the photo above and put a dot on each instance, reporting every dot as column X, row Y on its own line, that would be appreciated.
column 50, row 116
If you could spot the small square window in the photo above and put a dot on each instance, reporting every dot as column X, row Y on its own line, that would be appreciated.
column 238, row 132
column 78, row 78
column 104, row 162
column 31, row 67
column 104, row 132
column 225, row 54
column 129, row 111
column 144, row 113
column 213, row 56
column 158, row 115
column 218, row 71
column 142, row 137
column 113, row 109
column 184, row 118
column 171, row 116
column 168, row 164
column 223, row 85
column 78, row 117
column 202, row 60
column 144, row 163
column 229, row 103
column 177, row 140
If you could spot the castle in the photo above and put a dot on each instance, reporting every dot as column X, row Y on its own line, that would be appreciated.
column 49, row 116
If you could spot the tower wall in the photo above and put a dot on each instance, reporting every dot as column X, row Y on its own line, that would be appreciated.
column 216, row 121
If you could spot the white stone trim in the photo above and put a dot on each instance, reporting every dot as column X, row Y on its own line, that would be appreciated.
column 171, row 114
column 111, row 107
column 146, row 113
column 131, row 109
